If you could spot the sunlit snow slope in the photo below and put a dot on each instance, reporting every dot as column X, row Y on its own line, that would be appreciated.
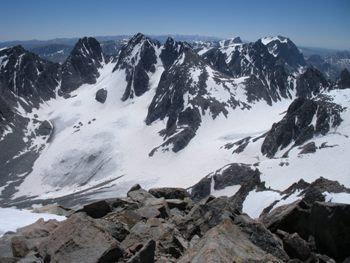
column 102, row 149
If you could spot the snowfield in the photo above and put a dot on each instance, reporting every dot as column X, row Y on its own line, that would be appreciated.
column 113, row 142
column 110, row 143
column 103, row 149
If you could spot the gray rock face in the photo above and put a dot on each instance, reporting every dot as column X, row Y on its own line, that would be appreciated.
column 285, row 50
column 225, row 243
column 175, row 84
column 296, row 127
column 80, row 239
column 312, row 192
column 326, row 223
column 169, row 102
column 308, row 148
column 82, row 64
column 171, row 51
column 330, row 226
column 156, row 229
column 311, row 82
column 260, row 236
column 217, row 60
column 101, row 95
column 291, row 218
column 27, row 75
column 137, row 69
column 295, row 246
column 134, row 188
column 252, row 60
column 20, row 245
column 139, row 195
column 232, row 174
column 45, row 129
column 201, row 189
column 235, row 174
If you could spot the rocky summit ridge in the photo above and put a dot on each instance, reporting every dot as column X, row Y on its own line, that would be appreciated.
column 167, row 225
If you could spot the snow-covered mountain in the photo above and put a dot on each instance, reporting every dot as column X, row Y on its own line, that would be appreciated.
column 168, row 115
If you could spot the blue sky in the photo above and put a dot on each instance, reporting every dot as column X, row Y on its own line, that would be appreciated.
column 320, row 23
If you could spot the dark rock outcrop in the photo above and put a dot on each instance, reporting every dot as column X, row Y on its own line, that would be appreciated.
column 169, row 102
column 304, row 119
column 267, row 79
column 169, row 193
column 138, row 59
column 97, row 209
column 81, row 66
column 171, row 51
column 25, row 74
column 260, row 236
column 308, row 148
column 217, row 60
column 315, row 191
column 45, row 129
column 101, row 95
column 311, row 82
column 330, row 226
column 292, row 218
column 232, row 174
column 295, row 246
column 326, row 223
column 286, row 51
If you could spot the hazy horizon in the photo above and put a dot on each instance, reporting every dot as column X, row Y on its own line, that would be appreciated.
column 312, row 23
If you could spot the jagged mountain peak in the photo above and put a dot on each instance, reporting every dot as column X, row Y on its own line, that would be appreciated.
column 171, row 42
column 133, row 52
column 138, row 59
column 172, row 50
column 284, row 49
column 82, row 64
column 26, row 74
column 87, row 47
column 140, row 40
column 137, row 38
column 15, row 52
column 15, row 49
column 231, row 41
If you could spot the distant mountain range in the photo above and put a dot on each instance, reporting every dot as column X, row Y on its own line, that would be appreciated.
column 329, row 61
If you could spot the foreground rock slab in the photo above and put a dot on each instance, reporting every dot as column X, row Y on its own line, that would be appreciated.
column 225, row 243
column 80, row 239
